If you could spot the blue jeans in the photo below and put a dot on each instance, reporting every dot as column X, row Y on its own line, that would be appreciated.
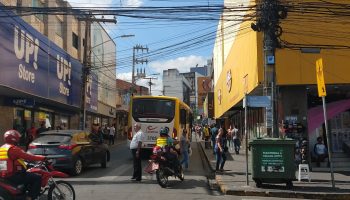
column 237, row 144
column 185, row 159
column 220, row 160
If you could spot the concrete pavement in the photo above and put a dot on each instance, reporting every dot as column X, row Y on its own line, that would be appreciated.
column 233, row 181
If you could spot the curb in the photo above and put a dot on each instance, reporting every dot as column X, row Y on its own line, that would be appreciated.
column 252, row 191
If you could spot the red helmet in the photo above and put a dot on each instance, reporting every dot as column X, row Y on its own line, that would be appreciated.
column 12, row 136
column 157, row 149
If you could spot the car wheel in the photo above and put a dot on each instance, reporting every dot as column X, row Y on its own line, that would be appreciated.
column 104, row 161
column 77, row 167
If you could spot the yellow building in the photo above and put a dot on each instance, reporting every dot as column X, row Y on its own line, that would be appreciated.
column 238, row 57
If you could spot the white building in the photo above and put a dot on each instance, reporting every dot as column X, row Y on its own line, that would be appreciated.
column 176, row 85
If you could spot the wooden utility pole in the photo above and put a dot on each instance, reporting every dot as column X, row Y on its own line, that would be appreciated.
column 89, row 19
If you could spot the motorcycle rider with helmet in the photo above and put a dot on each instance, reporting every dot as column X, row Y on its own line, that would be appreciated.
column 13, row 168
column 167, row 144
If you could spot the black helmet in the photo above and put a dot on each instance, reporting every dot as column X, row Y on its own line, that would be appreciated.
column 164, row 131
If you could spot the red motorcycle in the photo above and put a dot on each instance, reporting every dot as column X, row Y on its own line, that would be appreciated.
column 61, row 190
column 163, row 168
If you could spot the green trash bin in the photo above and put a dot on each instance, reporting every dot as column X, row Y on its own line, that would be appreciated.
column 273, row 161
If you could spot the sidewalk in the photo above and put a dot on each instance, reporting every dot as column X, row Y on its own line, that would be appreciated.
column 233, row 181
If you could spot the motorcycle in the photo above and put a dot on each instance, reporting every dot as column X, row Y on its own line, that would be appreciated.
column 60, row 190
column 163, row 169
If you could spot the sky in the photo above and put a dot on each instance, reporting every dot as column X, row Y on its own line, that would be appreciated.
column 157, row 35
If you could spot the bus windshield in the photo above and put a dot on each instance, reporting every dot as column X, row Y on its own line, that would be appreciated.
column 153, row 108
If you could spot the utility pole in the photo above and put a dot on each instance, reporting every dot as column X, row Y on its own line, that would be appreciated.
column 150, row 83
column 88, row 19
column 269, row 14
column 135, row 61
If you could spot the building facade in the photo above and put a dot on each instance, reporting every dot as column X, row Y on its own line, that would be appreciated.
column 42, row 63
column 238, row 59
column 124, row 93
column 176, row 85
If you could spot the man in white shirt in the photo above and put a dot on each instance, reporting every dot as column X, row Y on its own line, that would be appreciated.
column 111, row 134
column 135, row 147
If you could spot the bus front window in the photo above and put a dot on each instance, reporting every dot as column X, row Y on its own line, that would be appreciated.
column 153, row 108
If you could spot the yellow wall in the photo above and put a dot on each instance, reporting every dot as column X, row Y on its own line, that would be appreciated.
column 292, row 66
column 244, row 58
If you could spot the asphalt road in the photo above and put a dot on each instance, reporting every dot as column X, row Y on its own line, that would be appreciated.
column 114, row 182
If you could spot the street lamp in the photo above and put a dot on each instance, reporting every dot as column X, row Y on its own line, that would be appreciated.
column 120, row 36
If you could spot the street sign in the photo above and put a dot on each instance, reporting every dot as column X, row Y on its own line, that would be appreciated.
column 259, row 101
column 320, row 78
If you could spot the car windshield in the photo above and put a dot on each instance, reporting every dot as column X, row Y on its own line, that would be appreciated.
column 153, row 108
column 53, row 139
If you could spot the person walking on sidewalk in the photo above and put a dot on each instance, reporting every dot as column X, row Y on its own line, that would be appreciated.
column 206, row 136
column 236, row 139
column 220, row 151
column 214, row 133
column 111, row 134
column 229, row 137
column 184, row 146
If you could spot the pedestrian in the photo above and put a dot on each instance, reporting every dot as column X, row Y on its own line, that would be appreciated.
column 111, row 134
column 135, row 147
column 214, row 132
column 95, row 136
column 236, row 139
column 229, row 137
column 42, row 128
column 320, row 151
column 184, row 147
column 206, row 136
column 220, row 151
column 31, row 134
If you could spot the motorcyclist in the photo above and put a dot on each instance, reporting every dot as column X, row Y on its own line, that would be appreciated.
column 13, row 168
column 167, row 144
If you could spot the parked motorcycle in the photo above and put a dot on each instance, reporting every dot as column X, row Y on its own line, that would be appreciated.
column 163, row 168
column 60, row 190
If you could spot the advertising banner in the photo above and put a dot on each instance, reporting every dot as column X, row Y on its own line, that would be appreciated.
column 31, row 63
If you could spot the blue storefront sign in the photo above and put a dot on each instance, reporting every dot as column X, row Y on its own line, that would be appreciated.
column 258, row 101
column 26, row 102
column 31, row 63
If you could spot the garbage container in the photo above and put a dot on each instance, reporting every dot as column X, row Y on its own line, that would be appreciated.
column 273, row 161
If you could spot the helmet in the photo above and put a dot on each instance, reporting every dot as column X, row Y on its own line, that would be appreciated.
column 157, row 149
column 12, row 136
column 164, row 131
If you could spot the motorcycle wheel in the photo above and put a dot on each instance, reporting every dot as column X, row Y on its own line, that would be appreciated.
column 162, row 179
column 4, row 195
column 66, row 188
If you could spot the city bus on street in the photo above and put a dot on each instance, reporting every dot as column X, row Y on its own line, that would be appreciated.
column 156, row 112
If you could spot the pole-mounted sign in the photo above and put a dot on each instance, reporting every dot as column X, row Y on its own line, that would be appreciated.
column 320, row 78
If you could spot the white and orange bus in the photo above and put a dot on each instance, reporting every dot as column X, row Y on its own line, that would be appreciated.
column 156, row 112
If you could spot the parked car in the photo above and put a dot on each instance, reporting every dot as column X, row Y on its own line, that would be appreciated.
column 71, row 150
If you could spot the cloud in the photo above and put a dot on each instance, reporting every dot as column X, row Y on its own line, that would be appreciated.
column 133, row 3
column 183, row 64
column 124, row 76
column 90, row 3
